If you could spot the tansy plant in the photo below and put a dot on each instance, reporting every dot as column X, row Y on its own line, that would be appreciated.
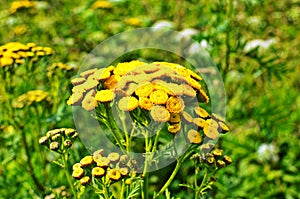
column 154, row 114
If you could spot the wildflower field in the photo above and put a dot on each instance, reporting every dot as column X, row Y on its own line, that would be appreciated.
column 150, row 99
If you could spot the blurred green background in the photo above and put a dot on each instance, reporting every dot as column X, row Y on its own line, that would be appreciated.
column 254, row 44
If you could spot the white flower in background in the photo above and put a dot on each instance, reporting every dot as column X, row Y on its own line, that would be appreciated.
column 267, row 153
column 163, row 24
column 187, row 33
column 264, row 44
column 197, row 47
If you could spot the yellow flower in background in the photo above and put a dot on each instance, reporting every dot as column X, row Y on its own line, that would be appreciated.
column 6, row 61
column 128, row 103
column 194, row 136
column 159, row 97
column 104, row 96
column 101, row 4
column 133, row 21
column 159, row 113
column 175, row 105
column 16, row 5
column 33, row 96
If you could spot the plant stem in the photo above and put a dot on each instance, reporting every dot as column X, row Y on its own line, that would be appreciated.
column 176, row 169
column 65, row 166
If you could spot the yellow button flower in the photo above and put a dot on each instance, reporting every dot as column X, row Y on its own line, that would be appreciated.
column 85, row 180
column 113, row 157
column 194, row 136
column 128, row 103
column 199, row 122
column 86, row 161
column 114, row 174
column 174, row 118
column 201, row 112
column 144, row 90
column 174, row 128
column 98, row 172
column 104, row 96
column 211, row 132
column 159, row 97
column 187, row 117
column 159, row 113
column 78, row 173
column 175, row 104
column 145, row 103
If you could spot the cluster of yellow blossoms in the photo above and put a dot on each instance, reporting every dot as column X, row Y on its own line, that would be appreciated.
column 59, row 140
column 160, row 88
column 17, row 53
column 101, row 5
column 107, row 169
column 58, row 66
column 30, row 97
column 17, row 5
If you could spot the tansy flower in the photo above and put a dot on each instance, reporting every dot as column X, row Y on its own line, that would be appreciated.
column 133, row 21
column 187, row 117
column 113, row 157
column 227, row 159
column 210, row 159
column 199, row 122
column 89, row 103
column 174, row 128
column 193, row 83
column 174, row 118
column 85, row 180
column 188, row 90
column 123, row 68
column 159, row 113
column 86, row 161
column 104, row 96
column 221, row 163
column 114, row 174
column 89, row 84
column 130, row 89
column 194, row 136
column 217, row 152
column 77, row 81
column 98, row 152
column 201, row 112
column 87, row 73
column 98, row 172
column 204, row 96
column 54, row 146
column 159, row 97
column 112, row 81
column 144, row 90
column 78, row 173
column 79, row 88
column 145, row 103
column 212, row 123
column 128, row 103
column 175, row 104
column 223, row 126
column 124, row 171
column 69, row 132
column 194, row 75
column 217, row 117
column 76, row 166
column 102, row 161
column 210, row 131
column 175, row 89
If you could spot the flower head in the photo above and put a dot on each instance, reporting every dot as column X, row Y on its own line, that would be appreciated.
column 104, row 96
column 128, row 103
column 114, row 174
column 194, row 136
column 86, row 161
column 144, row 90
column 175, row 104
column 159, row 97
column 98, row 172
column 78, row 173
column 159, row 113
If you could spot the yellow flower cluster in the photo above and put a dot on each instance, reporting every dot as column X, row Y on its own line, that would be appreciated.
column 215, row 159
column 59, row 140
column 159, row 88
column 58, row 66
column 33, row 96
column 16, row 5
column 110, row 168
column 101, row 5
column 17, row 53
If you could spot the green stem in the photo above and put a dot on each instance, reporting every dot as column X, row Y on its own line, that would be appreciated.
column 176, row 169
column 65, row 166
